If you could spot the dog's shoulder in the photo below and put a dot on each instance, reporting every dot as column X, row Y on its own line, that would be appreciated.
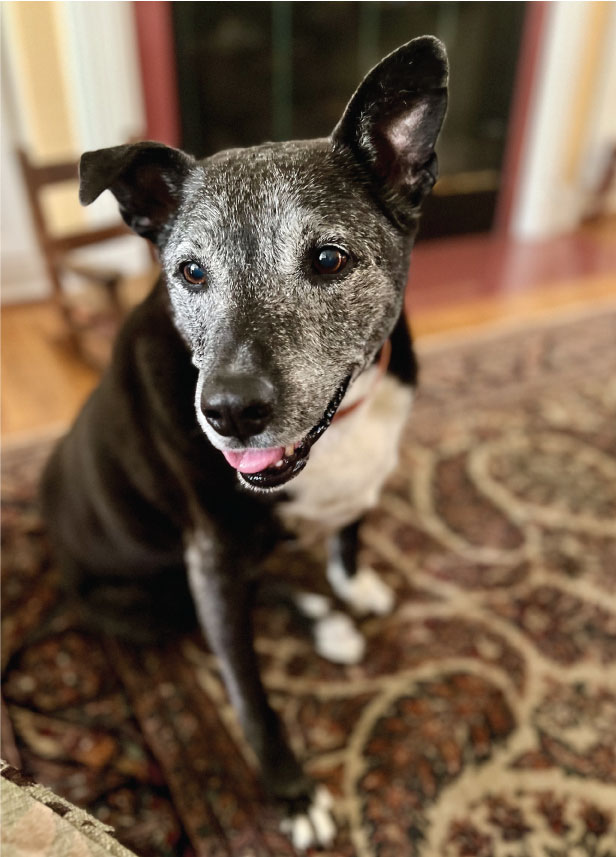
column 148, row 333
column 151, row 372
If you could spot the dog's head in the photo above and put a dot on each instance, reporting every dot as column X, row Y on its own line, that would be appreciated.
column 286, row 263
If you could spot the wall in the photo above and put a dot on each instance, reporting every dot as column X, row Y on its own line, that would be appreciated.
column 21, row 267
column 573, row 122
column 70, row 83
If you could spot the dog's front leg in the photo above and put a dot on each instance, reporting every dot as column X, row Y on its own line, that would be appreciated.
column 359, row 586
column 220, row 583
column 223, row 592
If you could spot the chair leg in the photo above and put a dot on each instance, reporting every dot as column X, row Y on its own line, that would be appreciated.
column 57, row 294
column 113, row 291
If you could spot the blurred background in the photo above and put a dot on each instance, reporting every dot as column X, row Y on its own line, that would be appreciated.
column 521, row 220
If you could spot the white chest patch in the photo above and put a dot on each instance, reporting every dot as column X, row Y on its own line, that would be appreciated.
column 350, row 463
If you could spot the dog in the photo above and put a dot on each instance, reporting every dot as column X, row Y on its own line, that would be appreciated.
column 261, row 386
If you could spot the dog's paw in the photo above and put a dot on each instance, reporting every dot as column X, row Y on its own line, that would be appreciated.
column 337, row 639
column 314, row 826
column 312, row 605
column 364, row 592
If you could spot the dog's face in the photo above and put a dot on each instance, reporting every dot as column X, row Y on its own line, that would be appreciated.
column 286, row 263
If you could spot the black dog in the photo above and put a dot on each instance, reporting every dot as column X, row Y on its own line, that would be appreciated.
column 280, row 303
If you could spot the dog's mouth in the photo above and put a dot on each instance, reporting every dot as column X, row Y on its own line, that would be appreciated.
column 268, row 469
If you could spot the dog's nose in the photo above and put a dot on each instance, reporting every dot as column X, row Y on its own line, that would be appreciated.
column 237, row 405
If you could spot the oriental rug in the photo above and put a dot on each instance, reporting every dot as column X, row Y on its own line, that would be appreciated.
column 482, row 720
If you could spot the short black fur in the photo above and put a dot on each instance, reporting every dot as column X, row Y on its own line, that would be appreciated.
column 138, row 492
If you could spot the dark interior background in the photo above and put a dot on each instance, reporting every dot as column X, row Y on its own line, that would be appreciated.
column 251, row 72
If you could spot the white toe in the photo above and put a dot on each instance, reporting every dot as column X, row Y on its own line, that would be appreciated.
column 323, row 824
column 314, row 828
column 323, row 797
column 312, row 605
column 364, row 592
column 337, row 639
column 302, row 834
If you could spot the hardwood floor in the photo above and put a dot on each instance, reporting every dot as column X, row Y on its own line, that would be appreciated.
column 43, row 384
column 456, row 285
column 476, row 280
column 543, row 300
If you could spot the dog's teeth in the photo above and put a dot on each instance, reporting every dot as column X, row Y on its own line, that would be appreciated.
column 279, row 463
column 289, row 450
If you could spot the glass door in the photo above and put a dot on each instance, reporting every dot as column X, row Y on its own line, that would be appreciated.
column 256, row 71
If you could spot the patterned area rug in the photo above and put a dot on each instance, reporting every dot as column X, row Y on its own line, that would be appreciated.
column 483, row 719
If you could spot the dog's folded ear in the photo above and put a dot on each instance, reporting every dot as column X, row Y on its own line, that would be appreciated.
column 392, row 122
column 145, row 178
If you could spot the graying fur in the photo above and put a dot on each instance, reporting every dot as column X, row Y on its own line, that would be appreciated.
column 246, row 221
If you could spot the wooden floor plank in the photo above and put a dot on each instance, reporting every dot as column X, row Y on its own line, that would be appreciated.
column 43, row 384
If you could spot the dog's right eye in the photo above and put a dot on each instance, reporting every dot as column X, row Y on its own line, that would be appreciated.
column 329, row 260
column 193, row 274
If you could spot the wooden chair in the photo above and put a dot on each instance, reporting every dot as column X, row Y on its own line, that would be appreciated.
column 597, row 206
column 56, row 250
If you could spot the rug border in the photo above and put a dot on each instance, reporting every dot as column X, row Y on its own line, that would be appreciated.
column 434, row 342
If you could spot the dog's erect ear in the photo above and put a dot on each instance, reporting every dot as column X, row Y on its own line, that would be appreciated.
column 392, row 122
column 145, row 178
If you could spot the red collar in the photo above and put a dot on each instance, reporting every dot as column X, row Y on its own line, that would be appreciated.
column 384, row 358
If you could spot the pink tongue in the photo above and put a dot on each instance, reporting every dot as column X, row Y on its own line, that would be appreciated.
column 253, row 460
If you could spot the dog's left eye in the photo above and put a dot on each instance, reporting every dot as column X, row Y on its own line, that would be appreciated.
column 193, row 274
column 329, row 260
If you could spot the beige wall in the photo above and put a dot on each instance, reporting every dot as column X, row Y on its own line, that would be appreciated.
column 70, row 83
column 573, row 121
column 42, row 97
column 37, row 52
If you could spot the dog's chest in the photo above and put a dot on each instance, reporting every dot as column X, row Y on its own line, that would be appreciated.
column 350, row 463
